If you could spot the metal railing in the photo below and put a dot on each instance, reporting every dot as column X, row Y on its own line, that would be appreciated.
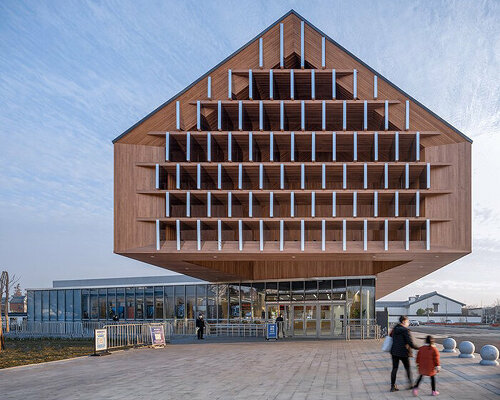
column 133, row 335
column 243, row 330
column 362, row 331
column 34, row 329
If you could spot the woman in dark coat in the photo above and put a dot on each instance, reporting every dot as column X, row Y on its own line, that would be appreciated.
column 402, row 344
column 200, row 326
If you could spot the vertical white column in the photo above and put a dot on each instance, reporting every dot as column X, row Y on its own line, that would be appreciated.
column 167, row 146
column 250, row 146
column 303, row 115
column 271, row 146
column 229, row 84
column 282, row 50
column 334, row 204
column 344, row 176
column 417, row 146
column 157, row 176
column 219, row 176
column 396, row 146
column 428, row 234
column 313, row 146
column 407, row 176
column 428, row 175
column 355, row 84
column 282, row 115
column 282, row 223
column 261, row 235
column 292, row 146
column 188, row 146
column 261, row 54
column 292, row 89
column 365, row 176
column 334, row 146
column 323, row 52
column 209, row 147
column 396, row 204
column 219, row 234
column 355, row 146
column 302, row 235
column 240, row 176
column 365, row 235
column 407, row 234
column 261, row 115
column 313, row 85
column 344, row 235
column 177, row 176
column 178, row 115
column 198, row 115
column 302, row 176
column 407, row 115
column 323, row 176
column 375, row 140
column 219, row 115
column 250, row 204
column 229, row 204
column 365, row 115
column 334, row 85
column 386, row 235
column 167, row 204
column 355, row 204
column 375, row 204
column 344, row 115
column 313, row 204
column 302, row 45
column 240, row 115
column 386, row 176
column 375, row 87
column 292, row 204
column 229, row 147
column 198, row 176
column 178, row 233
column 188, row 204
column 158, row 243
column 209, row 204
column 271, row 205
column 282, row 176
column 261, row 176
column 323, row 235
column 386, row 115
column 323, row 115
column 271, row 81
column 240, row 235
column 209, row 87
column 250, row 84
column 417, row 204
column 198, row 234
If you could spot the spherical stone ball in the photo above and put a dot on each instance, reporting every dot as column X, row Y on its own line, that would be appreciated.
column 489, row 355
column 449, row 345
column 466, row 349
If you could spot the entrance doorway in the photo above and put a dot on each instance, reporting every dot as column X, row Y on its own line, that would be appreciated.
column 317, row 320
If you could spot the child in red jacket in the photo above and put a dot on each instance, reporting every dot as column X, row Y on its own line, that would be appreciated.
column 428, row 364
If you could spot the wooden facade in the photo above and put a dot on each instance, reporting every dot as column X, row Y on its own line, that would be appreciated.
column 293, row 159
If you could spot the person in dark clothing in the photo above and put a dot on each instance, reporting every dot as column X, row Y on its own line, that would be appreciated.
column 402, row 343
column 279, row 323
column 200, row 326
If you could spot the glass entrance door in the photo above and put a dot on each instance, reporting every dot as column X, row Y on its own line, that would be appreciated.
column 325, row 320
column 338, row 318
column 311, row 321
column 298, row 320
column 271, row 312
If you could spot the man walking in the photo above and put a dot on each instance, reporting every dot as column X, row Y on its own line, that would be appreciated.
column 402, row 344
column 200, row 326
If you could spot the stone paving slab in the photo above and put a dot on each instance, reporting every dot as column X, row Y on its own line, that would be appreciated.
column 212, row 369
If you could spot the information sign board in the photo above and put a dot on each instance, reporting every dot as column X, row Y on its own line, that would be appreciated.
column 157, row 335
column 272, row 331
column 101, row 339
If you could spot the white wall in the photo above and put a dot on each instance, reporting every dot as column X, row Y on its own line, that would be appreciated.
column 454, row 319
column 445, row 306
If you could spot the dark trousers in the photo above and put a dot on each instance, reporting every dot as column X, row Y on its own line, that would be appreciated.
column 433, row 382
column 200, row 333
column 395, row 364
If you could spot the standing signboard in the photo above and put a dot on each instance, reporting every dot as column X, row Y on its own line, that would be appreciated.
column 100, row 340
column 272, row 331
column 157, row 336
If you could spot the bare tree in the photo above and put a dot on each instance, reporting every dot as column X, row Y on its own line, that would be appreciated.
column 5, row 285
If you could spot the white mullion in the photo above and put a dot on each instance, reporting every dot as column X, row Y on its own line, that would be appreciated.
column 323, row 176
column 271, row 89
column 209, row 204
column 323, row 52
column 375, row 204
column 313, row 146
column 334, row 85
column 334, row 146
column 407, row 115
column 344, row 115
column 219, row 176
column 157, row 176
column 313, row 204
column 282, row 50
column 158, row 242
column 250, row 146
column 250, row 205
column 188, row 146
column 261, row 53
column 198, row 176
column 240, row 115
column 417, row 204
column 365, row 235
column 271, row 205
column 282, row 176
column 407, row 176
column 334, row 204
column 178, row 115
column 261, row 176
column 250, row 84
column 292, row 146
column 355, row 146
column 229, row 205
column 282, row 115
column 344, row 235
column 167, row 204
column 323, row 115
column 292, row 204
column 417, row 147
column 302, row 234
column 188, row 204
column 375, row 87
column 261, row 115
column 355, row 84
column 323, row 235
column 282, row 223
column 302, row 45
column 198, row 115
column 229, row 147
column 229, row 84
column 375, row 139
column 219, row 115
column 209, row 147
column 178, row 234
column 302, row 176
column 302, row 115
column 407, row 234
column 365, row 115
column 344, row 176
column 386, row 176
column 240, row 176
column 167, row 146
column 428, row 234
column 355, row 204
column 396, row 146
column 365, row 176
column 240, row 235
column 219, row 234
column 271, row 146
column 428, row 175
column 177, row 176
column 386, row 115
column 261, row 235
column 292, row 94
column 396, row 204
column 209, row 87
column 386, row 235
column 313, row 85
column 198, row 234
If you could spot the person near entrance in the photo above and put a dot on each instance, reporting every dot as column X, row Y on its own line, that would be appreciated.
column 200, row 326
column 279, row 323
column 402, row 343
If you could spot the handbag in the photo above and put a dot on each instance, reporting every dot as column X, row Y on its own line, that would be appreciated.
column 387, row 345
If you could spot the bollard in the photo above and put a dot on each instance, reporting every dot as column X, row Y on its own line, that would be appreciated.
column 449, row 345
column 466, row 349
column 489, row 355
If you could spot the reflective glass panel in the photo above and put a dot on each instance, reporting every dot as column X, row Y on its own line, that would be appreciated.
column 246, row 301
column 201, row 301
column 179, row 302
column 102, row 304
column 234, row 302
column 139, row 303
column 169, row 302
column 69, row 305
column 130, row 303
column 120, row 303
column 149, row 302
column 111, row 303
column 159, row 303
column 77, row 304
column 211, row 302
column 53, row 305
column 190, row 301
column 284, row 291
column 258, row 300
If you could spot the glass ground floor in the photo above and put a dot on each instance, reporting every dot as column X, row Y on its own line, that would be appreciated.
column 316, row 307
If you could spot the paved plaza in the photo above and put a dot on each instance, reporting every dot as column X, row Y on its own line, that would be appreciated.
column 236, row 369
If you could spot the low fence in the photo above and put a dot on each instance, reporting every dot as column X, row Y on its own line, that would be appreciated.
column 34, row 329
column 242, row 330
column 132, row 335
column 362, row 331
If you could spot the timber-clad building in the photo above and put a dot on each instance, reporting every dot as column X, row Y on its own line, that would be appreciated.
column 294, row 161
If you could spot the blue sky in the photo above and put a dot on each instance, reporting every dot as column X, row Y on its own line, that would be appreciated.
column 75, row 74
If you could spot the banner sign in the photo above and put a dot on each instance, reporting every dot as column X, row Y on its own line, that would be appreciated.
column 157, row 335
column 272, row 331
column 101, row 339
